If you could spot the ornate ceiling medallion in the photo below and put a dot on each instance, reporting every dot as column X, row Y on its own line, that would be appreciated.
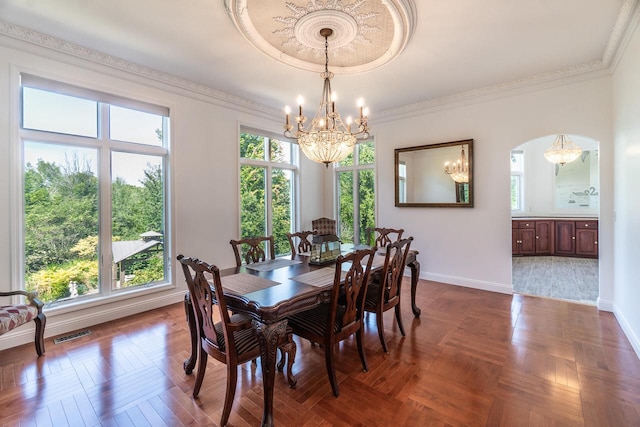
column 366, row 34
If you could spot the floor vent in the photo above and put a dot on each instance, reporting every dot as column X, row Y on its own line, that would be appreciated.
column 70, row 337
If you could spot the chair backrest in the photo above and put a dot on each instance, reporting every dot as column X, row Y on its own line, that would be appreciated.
column 203, row 298
column 352, row 289
column 304, row 245
column 393, row 269
column 381, row 237
column 322, row 226
column 252, row 249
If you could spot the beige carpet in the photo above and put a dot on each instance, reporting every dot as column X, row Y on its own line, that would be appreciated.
column 573, row 279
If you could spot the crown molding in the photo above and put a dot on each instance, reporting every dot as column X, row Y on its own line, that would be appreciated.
column 631, row 18
column 497, row 90
column 625, row 16
column 43, row 40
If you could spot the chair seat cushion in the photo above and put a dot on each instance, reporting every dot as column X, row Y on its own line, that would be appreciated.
column 245, row 339
column 12, row 316
column 373, row 296
column 315, row 320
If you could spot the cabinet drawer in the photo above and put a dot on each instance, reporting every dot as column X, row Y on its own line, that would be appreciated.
column 526, row 224
column 587, row 224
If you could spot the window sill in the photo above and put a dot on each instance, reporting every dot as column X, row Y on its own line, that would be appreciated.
column 84, row 303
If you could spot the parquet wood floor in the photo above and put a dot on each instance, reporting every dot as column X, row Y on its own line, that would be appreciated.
column 473, row 358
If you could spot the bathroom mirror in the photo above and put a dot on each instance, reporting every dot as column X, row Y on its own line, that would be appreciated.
column 436, row 175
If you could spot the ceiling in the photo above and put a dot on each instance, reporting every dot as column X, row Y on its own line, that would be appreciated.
column 451, row 48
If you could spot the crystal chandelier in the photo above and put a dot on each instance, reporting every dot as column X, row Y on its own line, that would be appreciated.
column 327, row 139
column 459, row 170
column 562, row 151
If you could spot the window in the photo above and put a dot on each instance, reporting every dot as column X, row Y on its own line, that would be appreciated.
column 268, row 169
column 402, row 182
column 355, row 177
column 94, row 192
column 517, row 169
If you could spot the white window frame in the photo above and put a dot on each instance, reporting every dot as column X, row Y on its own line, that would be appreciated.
column 104, row 147
column 355, row 169
column 269, row 166
column 519, row 175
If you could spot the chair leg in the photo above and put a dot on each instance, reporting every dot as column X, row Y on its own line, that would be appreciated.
column 41, row 322
column 291, row 358
column 380, row 323
column 232, row 378
column 363, row 358
column 328, row 358
column 399, row 319
column 283, row 357
column 202, row 367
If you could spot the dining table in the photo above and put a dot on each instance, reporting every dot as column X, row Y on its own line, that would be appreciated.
column 272, row 290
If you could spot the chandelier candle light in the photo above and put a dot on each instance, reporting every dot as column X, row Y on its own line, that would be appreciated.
column 459, row 170
column 327, row 139
column 562, row 151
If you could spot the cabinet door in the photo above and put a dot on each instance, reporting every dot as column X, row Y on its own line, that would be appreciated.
column 543, row 237
column 527, row 241
column 587, row 238
column 565, row 238
column 523, row 238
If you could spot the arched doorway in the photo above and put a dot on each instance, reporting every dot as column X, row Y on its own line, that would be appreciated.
column 555, row 214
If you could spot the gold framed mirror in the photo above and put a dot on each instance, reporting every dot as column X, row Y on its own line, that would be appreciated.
column 435, row 175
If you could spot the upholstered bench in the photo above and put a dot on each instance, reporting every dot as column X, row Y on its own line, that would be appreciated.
column 12, row 316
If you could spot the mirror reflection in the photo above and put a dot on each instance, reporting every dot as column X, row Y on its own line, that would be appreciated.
column 438, row 175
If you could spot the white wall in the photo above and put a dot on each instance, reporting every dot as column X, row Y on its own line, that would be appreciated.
column 626, row 127
column 204, row 174
column 472, row 247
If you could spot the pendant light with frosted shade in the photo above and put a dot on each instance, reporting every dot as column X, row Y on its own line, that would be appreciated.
column 562, row 151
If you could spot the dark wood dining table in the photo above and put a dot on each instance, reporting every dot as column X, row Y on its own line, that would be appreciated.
column 277, row 289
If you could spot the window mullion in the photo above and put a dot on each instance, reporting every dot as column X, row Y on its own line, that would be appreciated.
column 356, row 206
column 104, row 203
column 269, row 201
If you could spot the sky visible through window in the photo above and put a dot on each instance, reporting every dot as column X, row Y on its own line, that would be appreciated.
column 66, row 114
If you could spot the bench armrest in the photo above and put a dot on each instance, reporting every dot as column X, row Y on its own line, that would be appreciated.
column 32, row 297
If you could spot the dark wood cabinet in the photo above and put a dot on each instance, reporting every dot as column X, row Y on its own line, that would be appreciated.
column 559, row 237
column 544, row 237
column 565, row 238
column 531, row 237
column 523, row 238
column 587, row 238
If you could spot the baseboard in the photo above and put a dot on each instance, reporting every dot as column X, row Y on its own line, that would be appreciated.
column 468, row 283
column 628, row 331
column 604, row 305
column 58, row 325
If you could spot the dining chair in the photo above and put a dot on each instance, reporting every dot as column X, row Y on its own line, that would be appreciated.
column 331, row 322
column 252, row 249
column 384, row 289
column 381, row 237
column 322, row 226
column 231, row 341
column 304, row 245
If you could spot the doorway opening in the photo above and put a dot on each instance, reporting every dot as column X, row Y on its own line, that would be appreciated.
column 555, row 211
